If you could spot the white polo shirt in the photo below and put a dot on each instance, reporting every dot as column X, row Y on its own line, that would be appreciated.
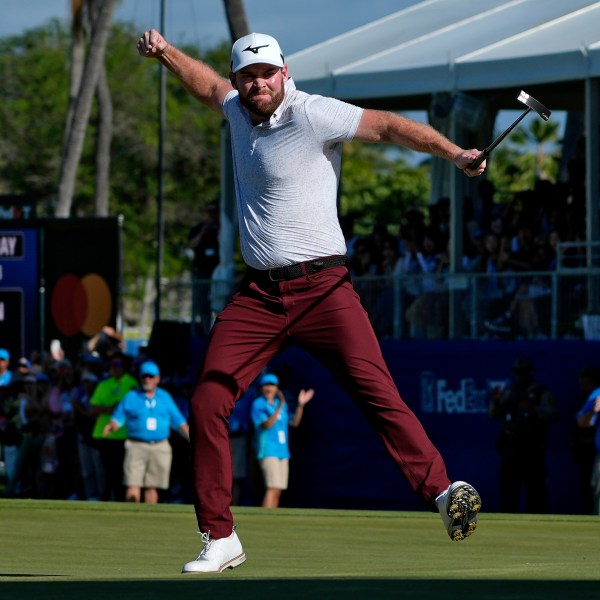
column 286, row 177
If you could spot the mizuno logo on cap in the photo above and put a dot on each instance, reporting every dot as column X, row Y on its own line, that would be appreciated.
column 254, row 49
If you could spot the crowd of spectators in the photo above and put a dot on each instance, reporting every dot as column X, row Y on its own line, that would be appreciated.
column 47, row 424
column 51, row 411
column 504, row 242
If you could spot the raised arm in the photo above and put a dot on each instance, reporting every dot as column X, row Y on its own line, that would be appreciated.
column 387, row 128
column 198, row 78
column 304, row 397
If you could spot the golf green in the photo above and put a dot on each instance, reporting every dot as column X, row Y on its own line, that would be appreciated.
column 84, row 550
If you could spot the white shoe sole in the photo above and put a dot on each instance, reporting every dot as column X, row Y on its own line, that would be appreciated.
column 462, row 506
column 234, row 562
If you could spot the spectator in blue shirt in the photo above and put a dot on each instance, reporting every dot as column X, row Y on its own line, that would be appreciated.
column 149, row 413
column 5, row 374
column 270, row 417
column 587, row 418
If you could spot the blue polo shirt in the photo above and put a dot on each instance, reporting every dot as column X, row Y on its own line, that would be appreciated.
column 587, row 407
column 5, row 379
column 148, row 419
column 272, row 442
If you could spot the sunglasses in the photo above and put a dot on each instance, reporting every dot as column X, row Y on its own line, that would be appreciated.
column 146, row 376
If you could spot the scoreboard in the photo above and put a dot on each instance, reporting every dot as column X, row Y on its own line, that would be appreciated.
column 59, row 279
column 19, row 290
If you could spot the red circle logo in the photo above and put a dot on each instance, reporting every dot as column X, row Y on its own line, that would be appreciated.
column 81, row 305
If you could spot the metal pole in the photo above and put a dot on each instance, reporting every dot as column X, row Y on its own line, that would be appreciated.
column 592, row 159
column 456, row 231
column 160, row 225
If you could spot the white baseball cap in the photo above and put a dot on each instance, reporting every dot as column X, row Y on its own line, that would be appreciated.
column 255, row 48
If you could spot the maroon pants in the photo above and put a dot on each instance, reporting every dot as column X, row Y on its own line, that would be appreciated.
column 322, row 314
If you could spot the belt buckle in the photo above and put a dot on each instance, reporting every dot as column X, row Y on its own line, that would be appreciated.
column 277, row 274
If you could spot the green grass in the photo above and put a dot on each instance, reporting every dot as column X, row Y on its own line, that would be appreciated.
column 53, row 549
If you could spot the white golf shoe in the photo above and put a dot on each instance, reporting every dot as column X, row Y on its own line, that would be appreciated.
column 458, row 506
column 217, row 555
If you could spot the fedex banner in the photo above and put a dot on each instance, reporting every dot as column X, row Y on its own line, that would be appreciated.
column 337, row 460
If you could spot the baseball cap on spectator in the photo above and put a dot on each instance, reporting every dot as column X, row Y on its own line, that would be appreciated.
column 89, row 377
column 23, row 363
column 255, row 48
column 4, row 354
column 149, row 368
column 269, row 379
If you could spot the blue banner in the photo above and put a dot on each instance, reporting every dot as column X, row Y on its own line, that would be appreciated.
column 19, row 298
column 337, row 460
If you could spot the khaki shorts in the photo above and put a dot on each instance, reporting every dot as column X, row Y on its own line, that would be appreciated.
column 275, row 472
column 147, row 465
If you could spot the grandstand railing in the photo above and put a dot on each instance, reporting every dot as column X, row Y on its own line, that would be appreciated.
column 560, row 304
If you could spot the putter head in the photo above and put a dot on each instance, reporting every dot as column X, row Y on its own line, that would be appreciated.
column 533, row 104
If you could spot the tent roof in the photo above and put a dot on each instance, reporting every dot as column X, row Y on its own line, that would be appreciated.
column 450, row 45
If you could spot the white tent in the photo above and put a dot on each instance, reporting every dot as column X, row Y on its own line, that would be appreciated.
column 488, row 50
column 448, row 45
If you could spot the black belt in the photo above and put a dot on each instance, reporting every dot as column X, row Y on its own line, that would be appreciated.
column 152, row 442
column 303, row 268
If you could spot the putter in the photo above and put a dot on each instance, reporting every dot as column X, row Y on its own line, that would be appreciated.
column 532, row 104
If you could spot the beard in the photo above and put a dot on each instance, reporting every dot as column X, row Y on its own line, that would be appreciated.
column 263, row 108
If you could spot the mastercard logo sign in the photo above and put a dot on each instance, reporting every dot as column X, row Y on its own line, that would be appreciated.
column 81, row 304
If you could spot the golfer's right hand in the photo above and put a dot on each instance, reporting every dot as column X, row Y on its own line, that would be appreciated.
column 152, row 44
column 464, row 159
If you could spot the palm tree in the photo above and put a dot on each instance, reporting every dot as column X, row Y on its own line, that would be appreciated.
column 539, row 134
column 236, row 18
column 105, row 129
column 77, row 59
column 101, row 12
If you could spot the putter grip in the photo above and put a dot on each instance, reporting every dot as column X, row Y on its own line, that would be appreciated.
column 482, row 156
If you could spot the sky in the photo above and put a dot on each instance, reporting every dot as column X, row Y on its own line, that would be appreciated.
column 296, row 24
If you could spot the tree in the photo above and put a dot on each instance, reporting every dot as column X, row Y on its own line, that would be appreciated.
column 236, row 18
column 539, row 134
column 104, row 130
column 75, row 134
column 34, row 95
column 77, row 60
column 105, row 110
column 517, row 164
column 33, row 108
column 378, row 184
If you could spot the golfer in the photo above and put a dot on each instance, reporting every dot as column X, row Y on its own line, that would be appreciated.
column 287, row 148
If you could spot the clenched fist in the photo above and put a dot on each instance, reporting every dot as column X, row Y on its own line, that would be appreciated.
column 152, row 44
